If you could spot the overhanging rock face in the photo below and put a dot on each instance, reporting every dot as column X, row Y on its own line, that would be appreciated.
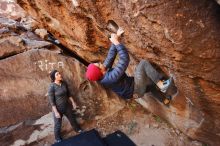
column 182, row 37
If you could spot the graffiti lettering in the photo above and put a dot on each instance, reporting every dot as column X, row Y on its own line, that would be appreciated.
column 46, row 65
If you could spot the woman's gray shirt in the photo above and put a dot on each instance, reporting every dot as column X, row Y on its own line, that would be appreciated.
column 58, row 96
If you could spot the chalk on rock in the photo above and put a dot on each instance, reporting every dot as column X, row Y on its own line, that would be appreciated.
column 75, row 3
column 41, row 32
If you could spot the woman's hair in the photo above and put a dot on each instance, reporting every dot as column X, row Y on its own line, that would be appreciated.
column 52, row 75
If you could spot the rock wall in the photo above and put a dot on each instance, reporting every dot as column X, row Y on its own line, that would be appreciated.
column 182, row 37
column 10, row 9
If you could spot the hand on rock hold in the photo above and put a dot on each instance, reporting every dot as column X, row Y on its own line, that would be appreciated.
column 120, row 31
column 114, row 39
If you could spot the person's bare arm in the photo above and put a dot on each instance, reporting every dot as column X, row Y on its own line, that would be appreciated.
column 73, row 102
column 54, row 109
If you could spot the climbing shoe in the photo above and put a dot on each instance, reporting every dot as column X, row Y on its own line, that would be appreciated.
column 166, row 85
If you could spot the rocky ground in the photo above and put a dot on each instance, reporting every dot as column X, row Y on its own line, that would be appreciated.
column 144, row 128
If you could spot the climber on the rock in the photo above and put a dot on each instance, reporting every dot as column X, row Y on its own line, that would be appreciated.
column 62, row 104
column 116, row 78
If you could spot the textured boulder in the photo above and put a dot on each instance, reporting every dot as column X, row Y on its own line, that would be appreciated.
column 15, row 39
column 8, row 8
column 11, row 46
column 182, row 37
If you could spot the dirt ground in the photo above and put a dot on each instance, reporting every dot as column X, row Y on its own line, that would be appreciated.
column 143, row 128
column 140, row 125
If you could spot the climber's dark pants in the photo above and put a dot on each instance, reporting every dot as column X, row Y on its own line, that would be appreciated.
column 58, row 122
column 145, row 75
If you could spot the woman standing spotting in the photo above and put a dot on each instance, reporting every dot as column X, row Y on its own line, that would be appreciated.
column 59, row 99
